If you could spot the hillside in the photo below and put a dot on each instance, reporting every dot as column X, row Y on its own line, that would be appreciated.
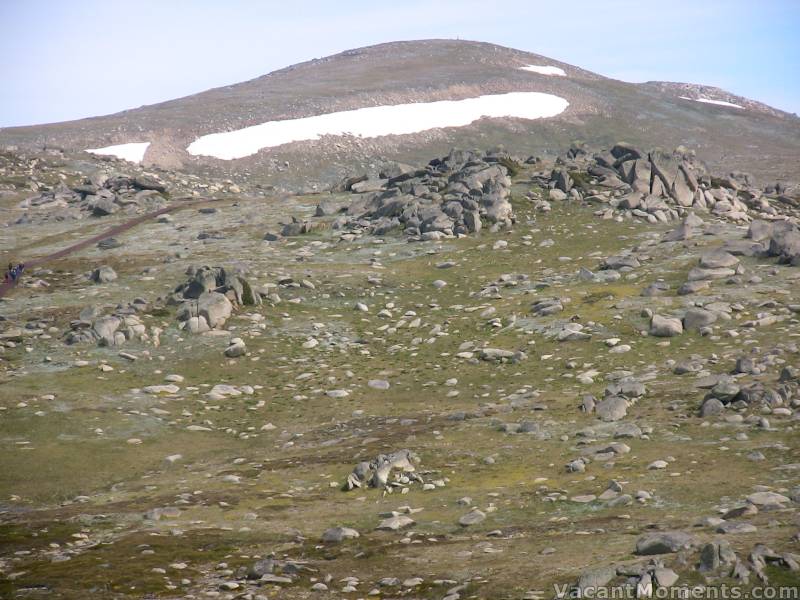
column 472, row 373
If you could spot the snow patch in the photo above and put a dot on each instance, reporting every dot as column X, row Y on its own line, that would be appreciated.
column 375, row 121
column 544, row 70
column 710, row 101
column 133, row 152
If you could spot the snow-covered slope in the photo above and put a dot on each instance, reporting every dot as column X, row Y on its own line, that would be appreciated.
column 378, row 121
column 133, row 151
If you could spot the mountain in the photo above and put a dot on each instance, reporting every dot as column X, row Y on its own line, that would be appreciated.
column 726, row 130
column 467, row 377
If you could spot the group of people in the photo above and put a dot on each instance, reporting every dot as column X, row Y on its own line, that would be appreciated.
column 13, row 273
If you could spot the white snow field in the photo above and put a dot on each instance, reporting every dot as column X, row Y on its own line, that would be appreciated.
column 374, row 121
column 133, row 152
column 710, row 101
column 544, row 70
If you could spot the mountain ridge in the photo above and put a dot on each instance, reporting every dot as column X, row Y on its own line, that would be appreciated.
column 601, row 111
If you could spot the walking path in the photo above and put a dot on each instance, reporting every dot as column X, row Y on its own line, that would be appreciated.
column 6, row 287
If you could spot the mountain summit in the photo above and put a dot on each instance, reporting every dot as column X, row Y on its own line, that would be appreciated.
column 323, row 118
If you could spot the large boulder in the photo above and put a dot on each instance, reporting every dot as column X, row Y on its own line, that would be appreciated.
column 665, row 326
column 102, row 207
column 718, row 259
column 215, row 308
column 562, row 180
column 697, row 318
column 612, row 408
column 204, row 280
column 106, row 327
column 785, row 244
column 104, row 274
column 663, row 543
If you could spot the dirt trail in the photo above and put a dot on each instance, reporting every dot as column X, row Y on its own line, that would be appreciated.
column 6, row 287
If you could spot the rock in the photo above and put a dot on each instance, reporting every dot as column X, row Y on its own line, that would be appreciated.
column 562, row 180
column 394, row 170
column 700, row 274
column 665, row 326
column 336, row 535
column 697, row 318
column 161, row 389
column 663, row 543
column 736, row 527
column 327, row 208
column 277, row 579
column 102, row 207
column 789, row 373
column 718, row 259
column 785, row 244
column 104, row 274
column 473, row 517
column 768, row 500
column 144, row 182
column 594, row 579
column 711, row 407
column 377, row 472
column 197, row 325
column 715, row 554
column 499, row 355
column 378, row 384
column 759, row 230
column 236, row 348
column 548, row 306
column 395, row 523
column 215, row 308
column 621, row 261
column 725, row 390
column 612, row 408
column 109, row 244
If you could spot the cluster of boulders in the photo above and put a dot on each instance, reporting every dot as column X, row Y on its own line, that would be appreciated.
column 101, row 194
column 641, row 580
column 385, row 471
column 206, row 300
column 657, row 186
column 618, row 397
column 453, row 195
column 114, row 329
column 727, row 391
column 712, row 559
column 776, row 238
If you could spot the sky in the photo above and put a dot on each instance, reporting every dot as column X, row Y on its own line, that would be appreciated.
column 68, row 59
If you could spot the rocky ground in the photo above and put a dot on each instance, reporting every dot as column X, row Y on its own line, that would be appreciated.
column 480, row 378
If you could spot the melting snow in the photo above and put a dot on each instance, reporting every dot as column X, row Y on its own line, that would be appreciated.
column 134, row 152
column 376, row 121
column 544, row 70
column 710, row 101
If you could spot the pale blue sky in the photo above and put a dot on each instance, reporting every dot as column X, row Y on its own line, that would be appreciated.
column 65, row 59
